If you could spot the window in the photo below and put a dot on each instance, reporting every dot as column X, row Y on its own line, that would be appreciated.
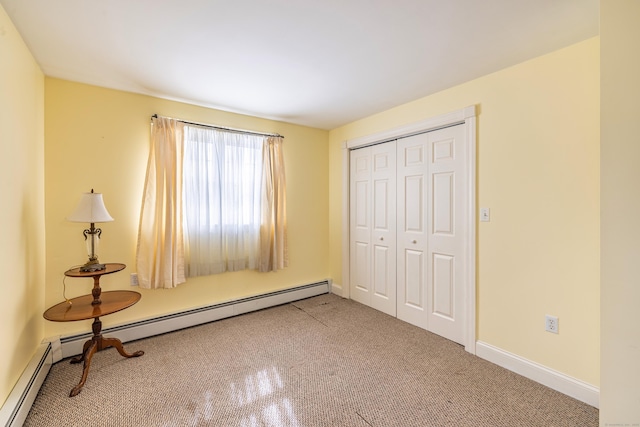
column 214, row 201
column 222, row 178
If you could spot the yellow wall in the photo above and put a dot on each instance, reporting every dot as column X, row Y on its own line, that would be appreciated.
column 99, row 138
column 538, row 171
column 620, row 250
column 22, row 199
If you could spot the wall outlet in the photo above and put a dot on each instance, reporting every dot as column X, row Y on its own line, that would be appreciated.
column 551, row 324
column 134, row 279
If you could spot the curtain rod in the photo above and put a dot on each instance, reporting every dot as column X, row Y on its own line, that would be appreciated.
column 249, row 132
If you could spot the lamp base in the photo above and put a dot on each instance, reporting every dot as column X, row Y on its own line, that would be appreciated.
column 88, row 267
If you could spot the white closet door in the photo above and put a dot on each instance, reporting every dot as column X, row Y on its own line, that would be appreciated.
column 412, row 230
column 360, row 224
column 432, row 208
column 383, row 233
column 448, row 210
column 373, row 227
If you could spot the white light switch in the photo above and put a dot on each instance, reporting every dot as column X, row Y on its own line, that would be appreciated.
column 485, row 214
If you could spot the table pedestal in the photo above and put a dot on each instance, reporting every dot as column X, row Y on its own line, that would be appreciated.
column 83, row 308
column 97, row 343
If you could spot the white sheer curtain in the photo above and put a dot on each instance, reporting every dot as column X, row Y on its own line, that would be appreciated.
column 214, row 201
column 222, row 200
column 160, row 251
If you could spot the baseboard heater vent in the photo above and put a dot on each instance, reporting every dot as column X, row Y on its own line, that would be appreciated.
column 72, row 345
column 17, row 406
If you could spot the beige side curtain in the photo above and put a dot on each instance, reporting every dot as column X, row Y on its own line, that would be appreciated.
column 273, row 231
column 160, row 252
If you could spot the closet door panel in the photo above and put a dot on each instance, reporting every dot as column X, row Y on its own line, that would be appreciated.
column 446, row 222
column 373, row 226
column 383, row 235
column 412, row 230
column 360, row 224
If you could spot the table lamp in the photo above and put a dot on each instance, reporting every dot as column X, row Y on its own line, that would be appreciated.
column 91, row 209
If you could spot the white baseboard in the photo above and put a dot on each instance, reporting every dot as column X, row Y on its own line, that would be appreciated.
column 72, row 345
column 558, row 381
column 336, row 288
column 16, row 408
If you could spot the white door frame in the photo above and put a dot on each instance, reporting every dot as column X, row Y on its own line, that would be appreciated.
column 466, row 117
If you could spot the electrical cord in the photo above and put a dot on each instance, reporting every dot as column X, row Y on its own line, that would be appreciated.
column 64, row 286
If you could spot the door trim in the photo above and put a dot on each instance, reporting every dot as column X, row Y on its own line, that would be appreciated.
column 467, row 117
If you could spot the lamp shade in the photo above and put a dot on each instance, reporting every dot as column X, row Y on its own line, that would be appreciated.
column 90, row 209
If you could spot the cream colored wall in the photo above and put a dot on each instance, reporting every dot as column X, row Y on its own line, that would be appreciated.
column 538, row 171
column 22, row 212
column 620, row 249
column 99, row 138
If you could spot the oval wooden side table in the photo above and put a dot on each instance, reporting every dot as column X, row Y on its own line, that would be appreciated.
column 94, row 306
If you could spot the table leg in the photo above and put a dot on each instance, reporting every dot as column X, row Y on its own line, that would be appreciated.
column 115, row 342
column 97, row 343
column 81, row 358
column 86, row 356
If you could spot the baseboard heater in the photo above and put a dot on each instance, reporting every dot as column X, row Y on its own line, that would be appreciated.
column 16, row 407
column 18, row 404
column 72, row 345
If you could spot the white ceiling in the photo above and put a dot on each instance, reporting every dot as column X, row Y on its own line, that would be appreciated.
column 320, row 63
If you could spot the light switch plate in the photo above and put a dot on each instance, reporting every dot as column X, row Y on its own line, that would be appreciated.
column 485, row 214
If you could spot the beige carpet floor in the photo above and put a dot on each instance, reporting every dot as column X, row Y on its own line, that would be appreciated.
column 323, row 361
